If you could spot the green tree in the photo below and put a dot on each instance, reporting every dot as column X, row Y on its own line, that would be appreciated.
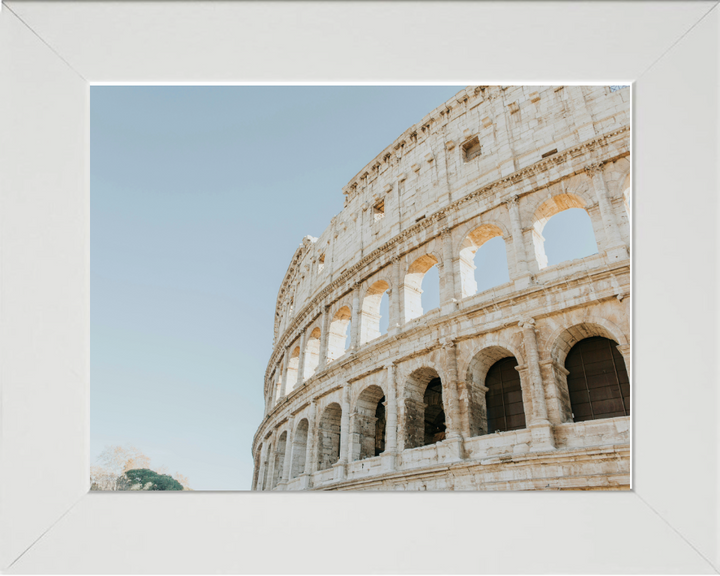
column 145, row 479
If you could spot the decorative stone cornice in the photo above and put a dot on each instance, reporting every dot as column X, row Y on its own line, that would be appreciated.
column 527, row 323
column 594, row 168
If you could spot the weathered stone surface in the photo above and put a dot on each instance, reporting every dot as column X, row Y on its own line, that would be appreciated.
column 491, row 162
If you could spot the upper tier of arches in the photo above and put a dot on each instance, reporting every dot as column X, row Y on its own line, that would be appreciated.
column 353, row 319
column 434, row 164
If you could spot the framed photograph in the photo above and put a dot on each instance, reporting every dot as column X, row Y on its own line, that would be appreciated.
column 636, row 495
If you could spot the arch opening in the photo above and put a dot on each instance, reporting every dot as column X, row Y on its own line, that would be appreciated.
column 292, row 372
column 570, row 234
column 369, row 424
column 339, row 334
column 597, row 380
column 279, row 459
column 370, row 312
column 413, row 286
column 312, row 354
column 278, row 386
column 505, row 409
column 299, row 449
column 492, row 392
column 329, row 436
column 424, row 409
column 483, row 260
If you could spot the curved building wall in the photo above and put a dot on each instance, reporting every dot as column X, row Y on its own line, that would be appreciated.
column 491, row 162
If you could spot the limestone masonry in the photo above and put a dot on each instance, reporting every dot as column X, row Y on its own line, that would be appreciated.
column 520, row 387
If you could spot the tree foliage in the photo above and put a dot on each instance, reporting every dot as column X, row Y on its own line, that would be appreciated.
column 145, row 479
column 113, row 463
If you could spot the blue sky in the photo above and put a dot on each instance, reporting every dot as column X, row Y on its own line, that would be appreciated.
column 199, row 197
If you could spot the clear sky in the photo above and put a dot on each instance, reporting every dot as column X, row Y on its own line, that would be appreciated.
column 199, row 198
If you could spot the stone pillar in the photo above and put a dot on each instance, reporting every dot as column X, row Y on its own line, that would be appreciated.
column 450, row 298
column 522, row 272
column 286, row 361
column 395, row 320
column 483, row 426
column 345, row 424
column 615, row 247
column 288, row 453
column 391, row 419
column 451, row 402
column 557, row 397
column 355, row 321
column 310, row 454
column 340, row 465
column 465, row 405
column 624, row 349
column 539, row 425
column 301, row 361
column 257, row 485
column 271, row 461
column 324, row 338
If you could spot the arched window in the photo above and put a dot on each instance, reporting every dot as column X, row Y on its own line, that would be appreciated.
column 504, row 397
column 329, row 436
column 370, row 311
column 312, row 354
column 278, row 387
column 369, row 424
column 279, row 459
column 483, row 260
column 292, row 372
column 491, row 396
column 424, row 410
column 339, row 334
column 560, row 237
column 597, row 380
column 300, row 438
column 414, row 285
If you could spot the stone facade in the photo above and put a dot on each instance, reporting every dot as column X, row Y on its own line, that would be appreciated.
column 494, row 161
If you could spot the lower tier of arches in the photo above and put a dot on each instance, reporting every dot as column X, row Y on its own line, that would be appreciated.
column 589, row 455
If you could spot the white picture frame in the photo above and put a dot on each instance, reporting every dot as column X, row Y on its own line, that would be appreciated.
column 51, row 52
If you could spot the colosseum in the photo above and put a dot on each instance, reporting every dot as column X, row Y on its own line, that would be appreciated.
column 523, row 386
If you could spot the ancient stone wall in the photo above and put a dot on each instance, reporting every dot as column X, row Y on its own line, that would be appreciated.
column 491, row 162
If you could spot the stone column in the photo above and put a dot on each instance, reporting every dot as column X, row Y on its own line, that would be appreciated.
column 483, row 426
column 624, row 349
column 271, row 460
column 395, row 320
column 540, row 425
column 341, row 464
column 451, row 402
column 615, row 247
column 257, row 485
column 465, row 404
column 288, row 452
column 522, row 272
column 391, row 414
column 310, row 455
column 450, row 298
column 324, row 338
column 391, row 419
column 283, row 382
column 355, row 321
column 301, row 361
column 345, row 424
